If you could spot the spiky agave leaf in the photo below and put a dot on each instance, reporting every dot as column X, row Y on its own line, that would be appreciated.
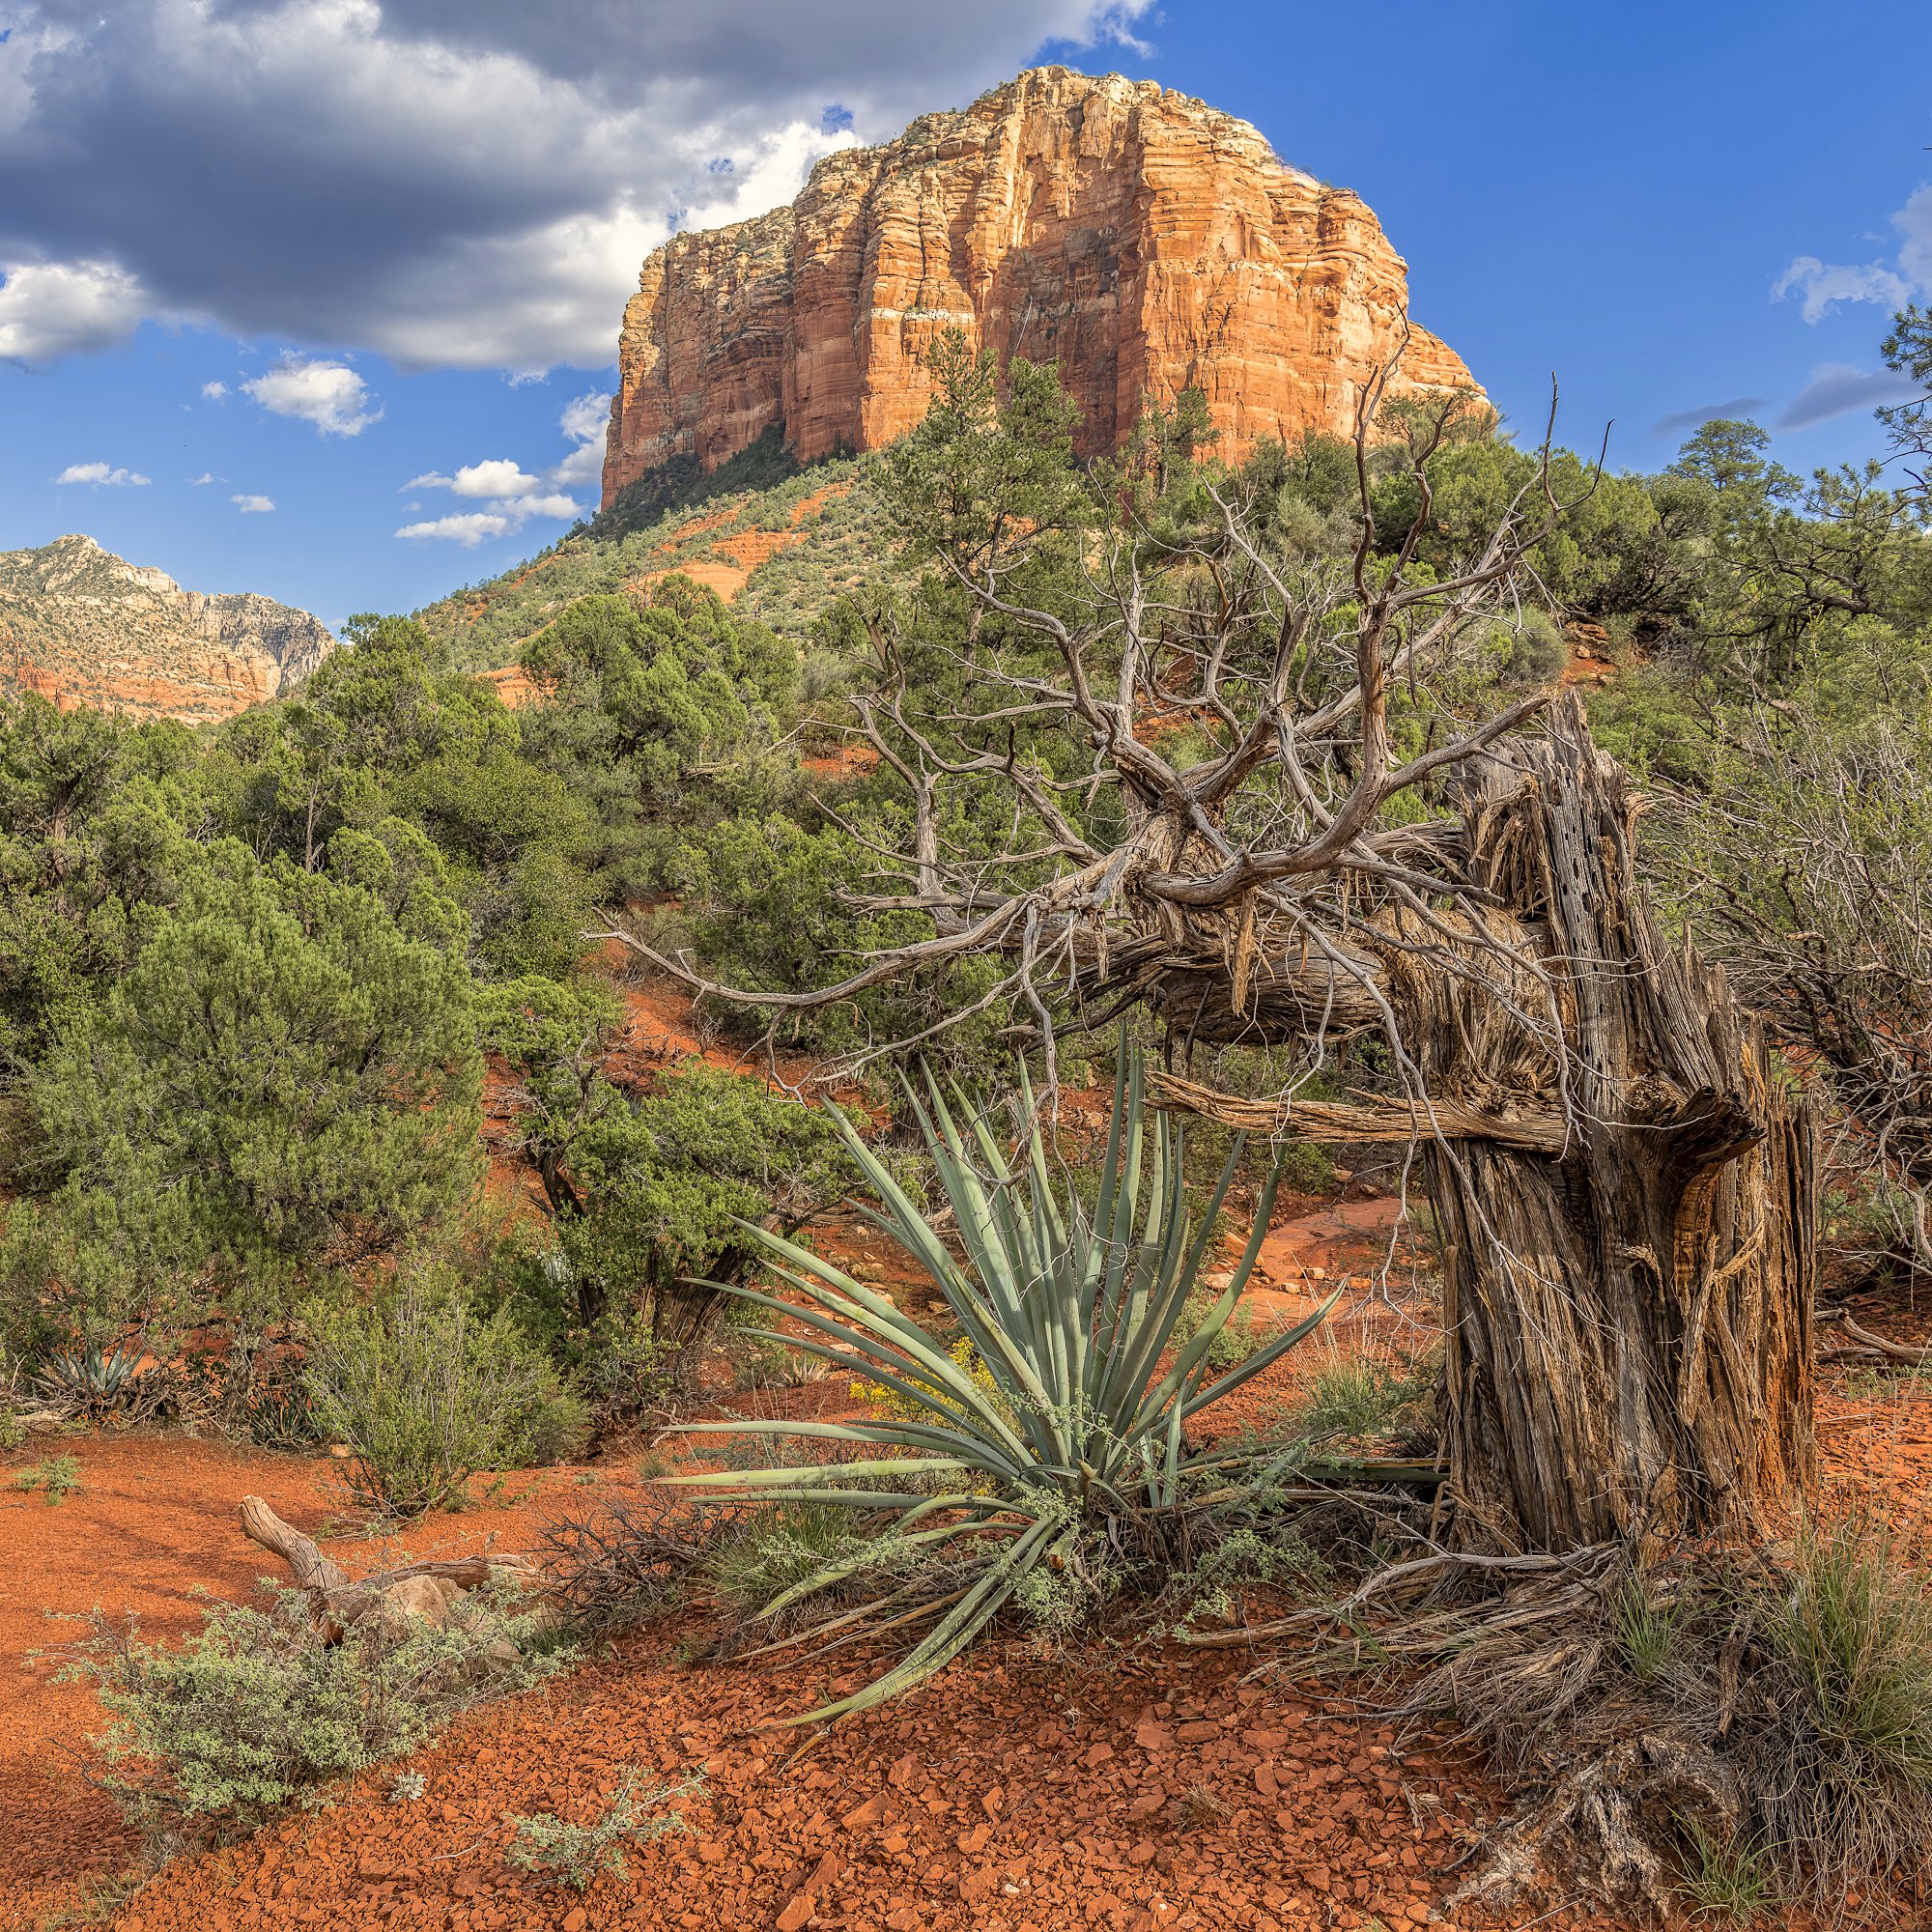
column 1070, row 1307
column 92, row 1375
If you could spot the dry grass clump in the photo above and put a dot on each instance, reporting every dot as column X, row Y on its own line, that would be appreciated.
column 1713, row 1731
column 1366, row 1397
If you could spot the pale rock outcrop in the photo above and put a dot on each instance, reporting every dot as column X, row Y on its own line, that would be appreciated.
column 82, row 627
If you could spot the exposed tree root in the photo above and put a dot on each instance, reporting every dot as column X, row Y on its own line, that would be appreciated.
column 1779, row 1711
column 1602, row 1823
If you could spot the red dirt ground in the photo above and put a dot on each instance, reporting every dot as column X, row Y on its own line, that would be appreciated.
column 1127, row 1791
column 153, row 1521
column 1120, row 1789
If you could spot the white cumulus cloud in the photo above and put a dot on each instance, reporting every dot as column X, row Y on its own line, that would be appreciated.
column 50, row 309
column 468, row 528
column 515, row 498
column 514, row 494
column 1824, row 285
column 586, row 416
column 102, row 475
column 331, row 395
column 585, row 421
column 1914, row 222
column 253, row 506
column 497, row 476
column 214, row 392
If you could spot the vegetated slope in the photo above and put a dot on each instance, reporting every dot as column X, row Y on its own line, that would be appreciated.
column 1143, row 239
column 780, row 541
column 82, row 626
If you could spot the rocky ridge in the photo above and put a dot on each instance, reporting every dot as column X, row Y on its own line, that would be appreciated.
column 83, row 627
column 1146, row 241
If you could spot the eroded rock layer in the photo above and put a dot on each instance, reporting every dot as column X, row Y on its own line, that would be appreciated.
column 1146, row 241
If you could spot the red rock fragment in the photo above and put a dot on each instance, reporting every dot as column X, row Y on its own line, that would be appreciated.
column 802, row 1903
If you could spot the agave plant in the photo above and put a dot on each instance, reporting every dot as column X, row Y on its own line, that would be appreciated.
column 1068, row 1423
column 91, row 1379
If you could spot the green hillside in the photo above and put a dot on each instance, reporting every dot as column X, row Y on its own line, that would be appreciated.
column 778, row 541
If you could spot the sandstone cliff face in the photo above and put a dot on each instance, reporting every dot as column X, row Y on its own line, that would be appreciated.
column 82, row 627
column 1144, row 240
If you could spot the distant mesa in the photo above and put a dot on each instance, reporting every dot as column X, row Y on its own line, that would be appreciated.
column 1148, row 241
column 83, row 627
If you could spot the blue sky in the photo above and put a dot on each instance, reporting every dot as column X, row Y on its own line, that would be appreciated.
column 365, row 266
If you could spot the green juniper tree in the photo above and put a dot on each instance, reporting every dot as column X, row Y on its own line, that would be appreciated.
column 282, row 1082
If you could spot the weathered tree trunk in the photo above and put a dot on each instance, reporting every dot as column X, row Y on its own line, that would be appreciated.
column 1629, row 1320
column 1622, row 1174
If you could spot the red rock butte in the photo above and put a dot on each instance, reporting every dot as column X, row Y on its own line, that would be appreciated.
column 1144, row 240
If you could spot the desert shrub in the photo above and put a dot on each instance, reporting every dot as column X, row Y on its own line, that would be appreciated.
column 776, row 1552
column 1234, row 1339
column 1077, row 1454
column 1803, row 861
column 1854, row 1629
column 56, row 1477
column 626, row 1558
column 1726, row 1878
column 760, row 1363
column 650, row 1193
column 91, row 1383
column 1266, row 1554
column 576, row 1854
column 425, row 1394
column 626, row 1372
column 277, row 1406
column 14, row 1400
column 282, row 1082
column 257, row 1708
column 1646, row 1630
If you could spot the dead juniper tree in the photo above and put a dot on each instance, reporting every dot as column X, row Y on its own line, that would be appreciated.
column 1263, row 789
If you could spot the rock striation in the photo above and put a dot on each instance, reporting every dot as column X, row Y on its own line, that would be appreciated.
column 1144, row 240
column 82, row 627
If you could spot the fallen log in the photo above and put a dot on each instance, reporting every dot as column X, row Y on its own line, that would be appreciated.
column 311, row 1570
column 426, row 1589
column 1870, row 1344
